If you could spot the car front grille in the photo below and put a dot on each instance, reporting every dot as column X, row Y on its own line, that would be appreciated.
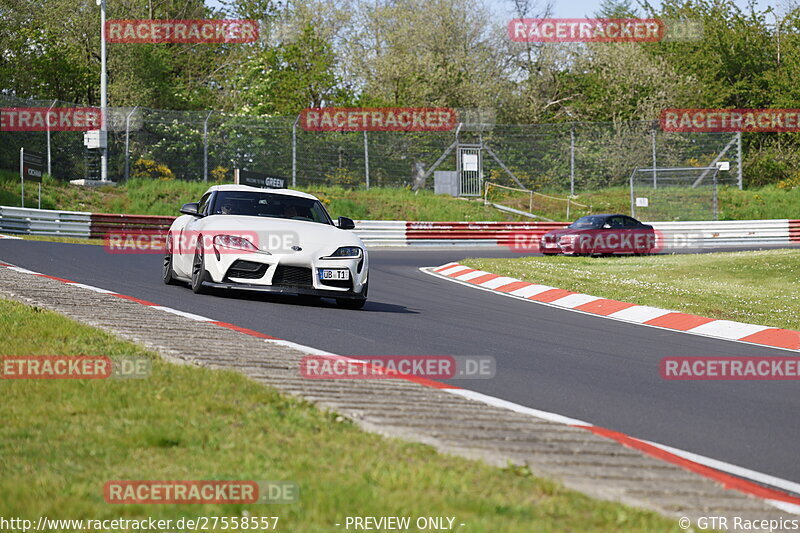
column 341, row 283
column 291, row 276
column 246, row 270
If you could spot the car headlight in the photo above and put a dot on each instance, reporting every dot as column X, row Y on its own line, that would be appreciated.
column 346, row 252
column 235, row 242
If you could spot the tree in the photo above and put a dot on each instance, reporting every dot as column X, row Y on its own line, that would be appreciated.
column 285, row 79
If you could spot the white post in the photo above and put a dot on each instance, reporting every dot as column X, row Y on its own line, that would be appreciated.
column 48, row 136
column 21, row 177
column 366, row 158
column 294, row 152
column 205, row 147
column 655, row 178
column 103, row 91
column 572, row 161
column 127, row 142
column 739, row 159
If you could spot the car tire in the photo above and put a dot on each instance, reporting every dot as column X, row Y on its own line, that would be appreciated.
column 199, row 272
column 168, row 275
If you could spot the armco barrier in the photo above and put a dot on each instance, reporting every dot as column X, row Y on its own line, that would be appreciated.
column 104, row 223
column 794, row 230
column 476, row 233
column 384, row 233
column 21, row 221
column 678, row 235
column 377, row 233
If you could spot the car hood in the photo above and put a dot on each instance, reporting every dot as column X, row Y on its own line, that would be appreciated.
column 310, row 236
column 556, row 233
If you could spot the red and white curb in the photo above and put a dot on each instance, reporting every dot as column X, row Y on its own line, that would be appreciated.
column 9, row 237
column 627, row 312
column 780, row 493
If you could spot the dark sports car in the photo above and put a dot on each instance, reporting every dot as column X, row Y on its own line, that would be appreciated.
column 600, row 235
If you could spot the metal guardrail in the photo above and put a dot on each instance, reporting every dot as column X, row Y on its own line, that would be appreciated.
column 103, row 223
column 21, row 221
column 381, row 232
column 385, row 233
column 725, row 233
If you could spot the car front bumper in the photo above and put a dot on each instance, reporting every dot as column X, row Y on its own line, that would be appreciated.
column 278, row 289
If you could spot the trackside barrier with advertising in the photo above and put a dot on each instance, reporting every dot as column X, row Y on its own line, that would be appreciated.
column 388, row 233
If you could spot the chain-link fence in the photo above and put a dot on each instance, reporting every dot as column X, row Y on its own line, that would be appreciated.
column 676, row 193
column 207, row 146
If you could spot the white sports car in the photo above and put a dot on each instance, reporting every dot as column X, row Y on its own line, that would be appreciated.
column 272, row 240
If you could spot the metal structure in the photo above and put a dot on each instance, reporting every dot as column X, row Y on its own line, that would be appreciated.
column 557, row 159
column 676, row 193
column 470, row 169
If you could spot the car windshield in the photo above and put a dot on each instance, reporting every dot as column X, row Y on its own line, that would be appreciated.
column 588, row 222
column 262, row 204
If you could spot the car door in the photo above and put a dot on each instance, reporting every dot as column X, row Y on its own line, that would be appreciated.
column 615, row 237
column 187, row 238
column 642, row 236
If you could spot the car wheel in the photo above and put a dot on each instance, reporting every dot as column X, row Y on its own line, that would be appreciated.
column 199, row 273
column 168, row 274
column 348, row 303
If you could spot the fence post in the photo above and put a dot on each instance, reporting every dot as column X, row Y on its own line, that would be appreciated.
column 294, row 152
column 127, row 142
column 48, row 136
column 366, row 158
column 655, row 178
column 739, row 159
column 21, row 177
column 205, row 148
column 572, row 161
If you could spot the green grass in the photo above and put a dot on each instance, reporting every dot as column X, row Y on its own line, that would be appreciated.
column 60, row 441
column 756, row 287
column 154, row 197
column 760, row 203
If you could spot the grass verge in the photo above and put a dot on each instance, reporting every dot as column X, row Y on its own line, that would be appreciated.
column 155, row 197
column 756, row 287
column 60, row 441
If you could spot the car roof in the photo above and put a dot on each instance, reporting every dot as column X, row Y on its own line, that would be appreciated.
column 284, row 192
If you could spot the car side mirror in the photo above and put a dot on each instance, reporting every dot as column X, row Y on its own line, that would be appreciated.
column 606, row 226
column 346, row 223
column 190, row 209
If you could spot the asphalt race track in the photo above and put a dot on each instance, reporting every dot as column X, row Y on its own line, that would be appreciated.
column 598, row 370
